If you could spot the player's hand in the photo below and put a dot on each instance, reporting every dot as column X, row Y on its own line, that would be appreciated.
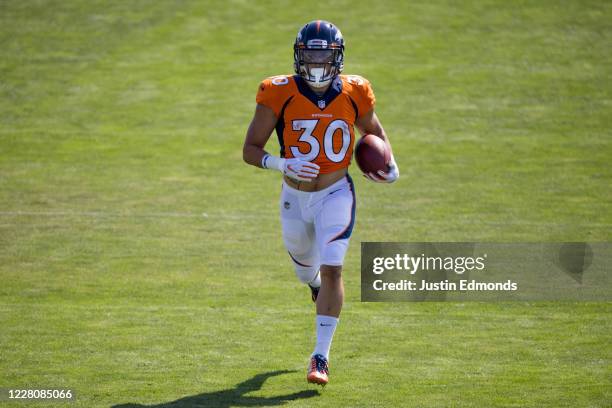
column 382, row 177
column 300, row 170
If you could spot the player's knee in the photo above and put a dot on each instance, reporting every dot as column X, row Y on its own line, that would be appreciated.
column 331, row 272
column 305, row 274
column 333, row 252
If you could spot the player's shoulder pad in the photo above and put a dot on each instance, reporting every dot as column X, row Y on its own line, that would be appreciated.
column 277, row 84
column 360, row 91
column 274, row 91
column 356, row 83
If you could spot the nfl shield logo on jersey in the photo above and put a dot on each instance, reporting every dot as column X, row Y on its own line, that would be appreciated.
column 321, row 104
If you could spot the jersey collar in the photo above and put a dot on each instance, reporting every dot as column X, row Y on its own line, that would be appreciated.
column 324, row 100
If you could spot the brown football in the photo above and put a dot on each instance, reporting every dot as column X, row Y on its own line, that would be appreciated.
column 371, row 154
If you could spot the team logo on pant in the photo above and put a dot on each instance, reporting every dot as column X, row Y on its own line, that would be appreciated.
column 287, row 205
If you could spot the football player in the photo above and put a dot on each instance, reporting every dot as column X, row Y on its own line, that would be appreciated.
column 314, row 113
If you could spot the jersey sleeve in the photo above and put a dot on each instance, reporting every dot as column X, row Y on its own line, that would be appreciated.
column 363, row 95
column 270, row 95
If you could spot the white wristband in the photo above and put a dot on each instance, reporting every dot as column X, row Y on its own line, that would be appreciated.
column 273, row 163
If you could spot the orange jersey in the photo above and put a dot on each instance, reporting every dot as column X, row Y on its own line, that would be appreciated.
column 316, row 128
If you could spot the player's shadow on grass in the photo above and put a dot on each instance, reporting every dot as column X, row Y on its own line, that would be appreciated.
column 233, row 397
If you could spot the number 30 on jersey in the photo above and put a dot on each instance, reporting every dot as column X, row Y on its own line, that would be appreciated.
column 307, row 126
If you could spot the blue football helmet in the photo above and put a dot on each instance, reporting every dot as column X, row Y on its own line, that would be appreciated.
column 318, row 53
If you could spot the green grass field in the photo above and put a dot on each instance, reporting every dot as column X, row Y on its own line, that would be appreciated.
column 141, row 260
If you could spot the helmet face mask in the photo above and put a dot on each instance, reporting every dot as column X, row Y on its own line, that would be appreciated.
column 317, row 66
column 318, row 53
column 318, row 56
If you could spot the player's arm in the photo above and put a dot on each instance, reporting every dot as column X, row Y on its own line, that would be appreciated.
column 369, row 124
column 253, row 152
column 257, row 136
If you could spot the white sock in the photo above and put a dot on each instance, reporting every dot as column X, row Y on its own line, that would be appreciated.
column 326, row 326
column 316, row 282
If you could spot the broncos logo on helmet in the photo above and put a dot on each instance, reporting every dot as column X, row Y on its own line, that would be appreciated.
column 318, row 53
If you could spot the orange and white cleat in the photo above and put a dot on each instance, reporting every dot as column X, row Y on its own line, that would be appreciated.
column 318, row 371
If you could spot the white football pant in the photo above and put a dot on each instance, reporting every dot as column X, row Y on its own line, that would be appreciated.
column 317, row 225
